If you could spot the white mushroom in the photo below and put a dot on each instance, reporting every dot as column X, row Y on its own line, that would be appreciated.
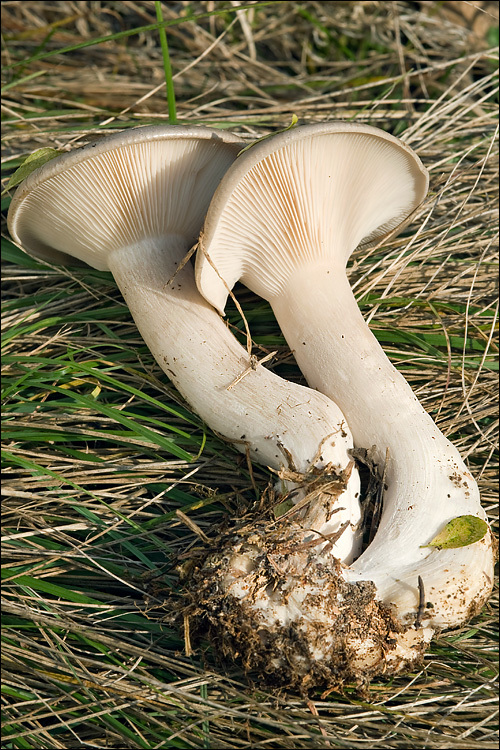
column 284, row 220
column 133, row 203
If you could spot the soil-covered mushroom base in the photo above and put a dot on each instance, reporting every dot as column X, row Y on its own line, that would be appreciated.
column 286, row 613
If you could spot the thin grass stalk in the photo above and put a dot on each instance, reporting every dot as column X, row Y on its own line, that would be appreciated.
column 167, row 67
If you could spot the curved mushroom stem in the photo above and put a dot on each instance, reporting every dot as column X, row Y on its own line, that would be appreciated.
column 278, row 422
column 427, row 481
column 133, row 203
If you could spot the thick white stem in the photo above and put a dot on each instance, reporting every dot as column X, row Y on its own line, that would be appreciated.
column 279, row 421
column 427, row 481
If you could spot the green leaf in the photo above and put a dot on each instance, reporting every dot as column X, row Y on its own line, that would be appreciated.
column 459, row 532
column 37, row 159
column 283, row 508
column 492, row 36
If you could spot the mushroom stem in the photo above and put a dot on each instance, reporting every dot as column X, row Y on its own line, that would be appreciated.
column 427, row 481
column 318, row 314
column 278, row 420
column 275, row 420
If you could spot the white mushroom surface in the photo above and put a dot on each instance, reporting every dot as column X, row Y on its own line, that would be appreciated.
column 284, row 220
column 133, row 204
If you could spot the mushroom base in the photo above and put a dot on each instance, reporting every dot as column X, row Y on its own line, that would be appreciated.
column 285, row 611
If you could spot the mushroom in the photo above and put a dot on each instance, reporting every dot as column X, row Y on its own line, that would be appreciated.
column 284, row 220
column 133, row 204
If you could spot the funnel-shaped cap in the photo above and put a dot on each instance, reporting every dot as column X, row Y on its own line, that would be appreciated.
column 139, row 184
column 311, row 194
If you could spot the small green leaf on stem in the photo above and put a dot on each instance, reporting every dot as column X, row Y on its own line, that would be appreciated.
column 282, row 508
column 32, row 162
column 459, row 532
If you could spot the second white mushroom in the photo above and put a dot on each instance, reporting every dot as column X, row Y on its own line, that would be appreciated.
column 285, row 220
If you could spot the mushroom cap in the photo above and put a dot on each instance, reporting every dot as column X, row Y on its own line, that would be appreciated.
column 127, row 187
column 313, row 193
